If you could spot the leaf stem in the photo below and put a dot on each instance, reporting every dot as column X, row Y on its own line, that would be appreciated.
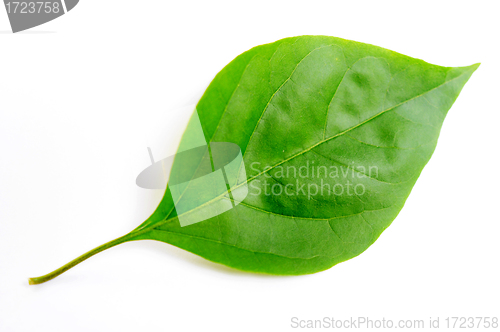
column 78, row 260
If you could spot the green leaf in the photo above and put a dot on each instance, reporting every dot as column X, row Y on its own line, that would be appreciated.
column 360, row 120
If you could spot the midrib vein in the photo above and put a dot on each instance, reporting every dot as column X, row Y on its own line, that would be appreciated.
column 307, row 150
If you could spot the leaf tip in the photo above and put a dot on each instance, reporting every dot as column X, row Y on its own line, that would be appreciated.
column 475, row 66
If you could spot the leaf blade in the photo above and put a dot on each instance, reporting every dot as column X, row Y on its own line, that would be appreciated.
column 371, row 89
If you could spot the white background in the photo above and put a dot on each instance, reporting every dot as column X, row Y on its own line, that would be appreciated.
column 81, row 99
